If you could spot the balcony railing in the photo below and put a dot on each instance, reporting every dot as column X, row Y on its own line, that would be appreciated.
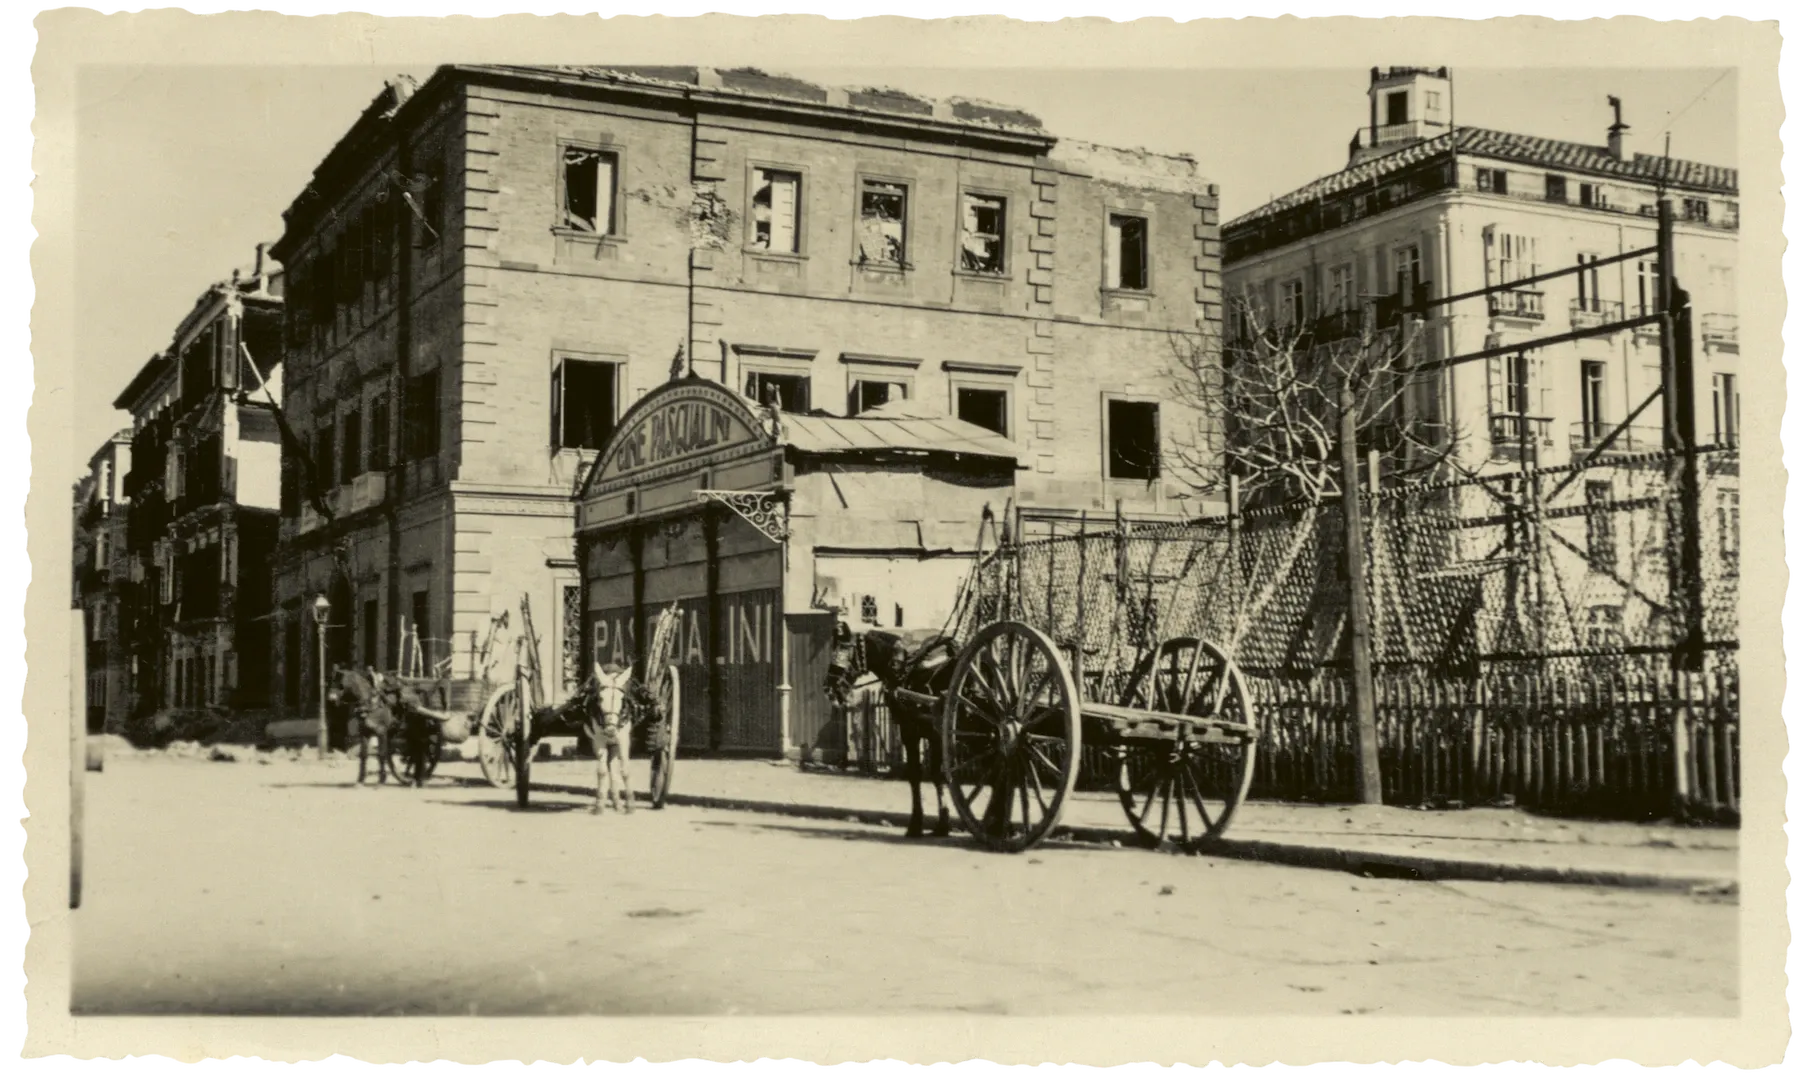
column 1514, row 435
column 1517, row 304
column 1720, row 331
column 1584, row 314
column 1599, row 438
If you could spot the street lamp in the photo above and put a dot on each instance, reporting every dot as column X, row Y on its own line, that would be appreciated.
column 321, row 608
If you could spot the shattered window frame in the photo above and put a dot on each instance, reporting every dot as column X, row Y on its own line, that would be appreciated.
column 974, row 255
column 792, row 386
column 762, row 179
column 986, row 388
column 597, row 223
column 882, row 241
column 1127, row 457
column 869, row 390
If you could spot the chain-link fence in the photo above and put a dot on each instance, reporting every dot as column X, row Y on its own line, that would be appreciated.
column 1522, row 626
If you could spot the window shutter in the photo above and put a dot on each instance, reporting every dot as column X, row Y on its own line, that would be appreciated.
column 784, row 213
column 1114, row 248
column 1497, row 385
column 558, row 404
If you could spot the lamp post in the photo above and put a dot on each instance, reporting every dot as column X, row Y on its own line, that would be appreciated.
column 321, row 608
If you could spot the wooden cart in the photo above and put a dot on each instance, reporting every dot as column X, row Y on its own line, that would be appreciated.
column 515, row 720
column 1176, row 724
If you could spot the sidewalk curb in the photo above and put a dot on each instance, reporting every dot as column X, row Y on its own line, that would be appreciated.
column 1380, row 864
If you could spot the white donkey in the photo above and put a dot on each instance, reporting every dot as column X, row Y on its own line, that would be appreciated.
column 610, row 726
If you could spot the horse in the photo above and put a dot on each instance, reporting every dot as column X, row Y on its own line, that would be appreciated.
column 376, row 709
column 919, row 662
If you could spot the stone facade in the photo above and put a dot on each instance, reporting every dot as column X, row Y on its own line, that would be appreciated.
column 102, row 580
column 551, row 224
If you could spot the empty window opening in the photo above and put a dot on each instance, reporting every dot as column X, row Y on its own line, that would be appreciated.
column 583, row 403
column 791, row 393
column 882, row 209
column 1556, row 189
column 773, row 217
column 1594, row 195
column 1396, row 107
column 351, row 454
column 982, row 234
column 1133, row 433
column 871, row 393
column 420, row 416
column 589, row 190
column 1694, row 209
column 990, row 409
column 1127, row 252
column 1494, row 180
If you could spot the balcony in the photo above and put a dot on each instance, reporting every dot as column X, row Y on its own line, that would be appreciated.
column 1587, row 314
column 1593, row 437
column 363, row 493
column 1720, row 333
column 1526, row 304
column 1519, row 438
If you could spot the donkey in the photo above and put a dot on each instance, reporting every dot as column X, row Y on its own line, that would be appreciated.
column 920, row 663
column 611, row 722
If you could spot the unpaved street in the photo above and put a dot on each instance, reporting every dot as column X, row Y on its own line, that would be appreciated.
column 281, row 889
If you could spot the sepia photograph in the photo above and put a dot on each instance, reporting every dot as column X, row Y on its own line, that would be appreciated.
column 633, row 526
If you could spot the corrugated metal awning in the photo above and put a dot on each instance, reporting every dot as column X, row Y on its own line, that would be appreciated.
column 902, row 425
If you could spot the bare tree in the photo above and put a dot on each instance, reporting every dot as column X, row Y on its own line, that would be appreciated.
column 1279, row 396
column 1292, row 404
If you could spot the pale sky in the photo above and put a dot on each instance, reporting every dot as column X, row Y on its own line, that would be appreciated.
column 181, row 171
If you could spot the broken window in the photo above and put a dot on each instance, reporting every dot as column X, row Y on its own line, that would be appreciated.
column 1594, row 195
column 589, row 190
column 1494, row 180
column 1556, row 189
column 773, row 217
column 982, row 233
column 1127, row 252
column 1695, row 210
column 882, row 208
column 791, row 393
column 986, row 407
column 583, row 403
column 872, row 393
column 1133, row 440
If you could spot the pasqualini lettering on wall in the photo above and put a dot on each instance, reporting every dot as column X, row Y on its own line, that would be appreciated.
column 748, row 633
column 674, row 431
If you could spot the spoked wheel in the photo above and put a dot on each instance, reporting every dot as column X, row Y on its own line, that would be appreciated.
column 665, row 756
column 1011, row 736
column 401, row 763
column 493, row 727
column 1185, row 792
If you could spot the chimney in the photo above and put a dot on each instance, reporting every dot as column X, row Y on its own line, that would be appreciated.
column 1616, row 144
column 257, row 273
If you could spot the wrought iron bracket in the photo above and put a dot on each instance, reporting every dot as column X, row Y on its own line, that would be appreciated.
column 764, row 510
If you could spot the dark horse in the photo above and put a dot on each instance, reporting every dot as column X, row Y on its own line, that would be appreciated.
column 915, row 668
column 383, row 710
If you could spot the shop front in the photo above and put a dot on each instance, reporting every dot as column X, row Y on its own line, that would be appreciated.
column 705, row 501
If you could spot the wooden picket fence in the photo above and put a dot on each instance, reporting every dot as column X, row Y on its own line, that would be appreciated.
column 1635, row 741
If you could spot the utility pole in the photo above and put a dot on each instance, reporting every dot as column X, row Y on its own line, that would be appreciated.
column 1676, row 344
column 1362, row 673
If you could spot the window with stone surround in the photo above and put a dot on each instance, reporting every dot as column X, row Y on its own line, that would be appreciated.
column 1132, row 439
column 982, row 233
column 1127, row 252
column 584, row 395
column 884, row 206
column 774, row 210
column 587, row 191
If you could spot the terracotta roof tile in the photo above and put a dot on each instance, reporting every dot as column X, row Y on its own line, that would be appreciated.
column 1506, row 146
